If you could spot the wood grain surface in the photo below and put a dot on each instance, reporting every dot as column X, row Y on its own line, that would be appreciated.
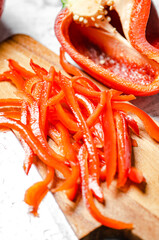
column 139, row 204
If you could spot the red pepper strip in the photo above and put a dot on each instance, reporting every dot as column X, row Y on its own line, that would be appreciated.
column 94, row 117
column 150, row 126
column 27, row 97
column 65, row 119
column 78, row 88
column 36, row 125
column 36, row 93
column 19, row 69
column 54, row 134
column 40, row 71
column 70, row 69
column 89, row 106
column 124, row 148
column 132, row 124
column 86, row 82
column 135, row 175
column 29, row 84
column 60, row 95
column 76, row 72
column 51, row 75
column 66, row 86
column 69, row 152
column 107, row 75
column 37, row 130
column 35, row 194
column 10, row 102
column 72, row 192
column 11, row 114
column 15, row 78
column 124, row 98
column 88, row 198
column 28, row 151
column 110, row 150
column 138, row 23
column 55, row 99
column 35, row 144
column 45, row 94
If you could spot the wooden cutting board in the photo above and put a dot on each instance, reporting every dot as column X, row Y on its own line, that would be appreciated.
column 140, row 204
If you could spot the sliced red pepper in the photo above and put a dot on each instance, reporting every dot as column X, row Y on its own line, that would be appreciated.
column 118, row 54
column 45, row 95
column 14, row 77
column 56, row 99
column 22, row 71
column 110, row 150
column 136, row 175
column 66, row 86
column 94, row 116
column 35, row 144
column 30, row 83
column 67, row 66
column 132, row 124
column 35, row 194
column 150, row 126
column 10, row 102
column 124, row 148
column 35, row 125
column 65, row 119
column 40, row 71
column 88, row 198
column 11, row 114
column 69, row 152
column 28, row 151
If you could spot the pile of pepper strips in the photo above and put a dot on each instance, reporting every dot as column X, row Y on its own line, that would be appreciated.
column 92, row 129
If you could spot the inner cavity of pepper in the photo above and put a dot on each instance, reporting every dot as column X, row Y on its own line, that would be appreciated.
column 143, row 74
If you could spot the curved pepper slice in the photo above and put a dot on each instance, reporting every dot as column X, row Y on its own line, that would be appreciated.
column 110, row 149
column 35, row 194
column 124, row 148
column 66, row 86
column 108, row 57
column 150, row 126
column 87, row 195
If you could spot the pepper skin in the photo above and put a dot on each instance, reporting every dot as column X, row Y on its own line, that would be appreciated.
column 124, row 68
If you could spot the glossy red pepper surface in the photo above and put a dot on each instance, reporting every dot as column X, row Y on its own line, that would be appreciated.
column 123, row 67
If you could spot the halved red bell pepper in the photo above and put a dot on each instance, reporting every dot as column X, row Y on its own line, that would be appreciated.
column 124, row 68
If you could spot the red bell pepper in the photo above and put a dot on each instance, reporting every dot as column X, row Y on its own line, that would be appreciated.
column 124, row 68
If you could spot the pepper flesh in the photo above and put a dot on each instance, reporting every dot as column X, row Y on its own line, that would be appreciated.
column 145, row 84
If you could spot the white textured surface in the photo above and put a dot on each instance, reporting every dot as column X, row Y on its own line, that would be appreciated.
column 33, row 17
